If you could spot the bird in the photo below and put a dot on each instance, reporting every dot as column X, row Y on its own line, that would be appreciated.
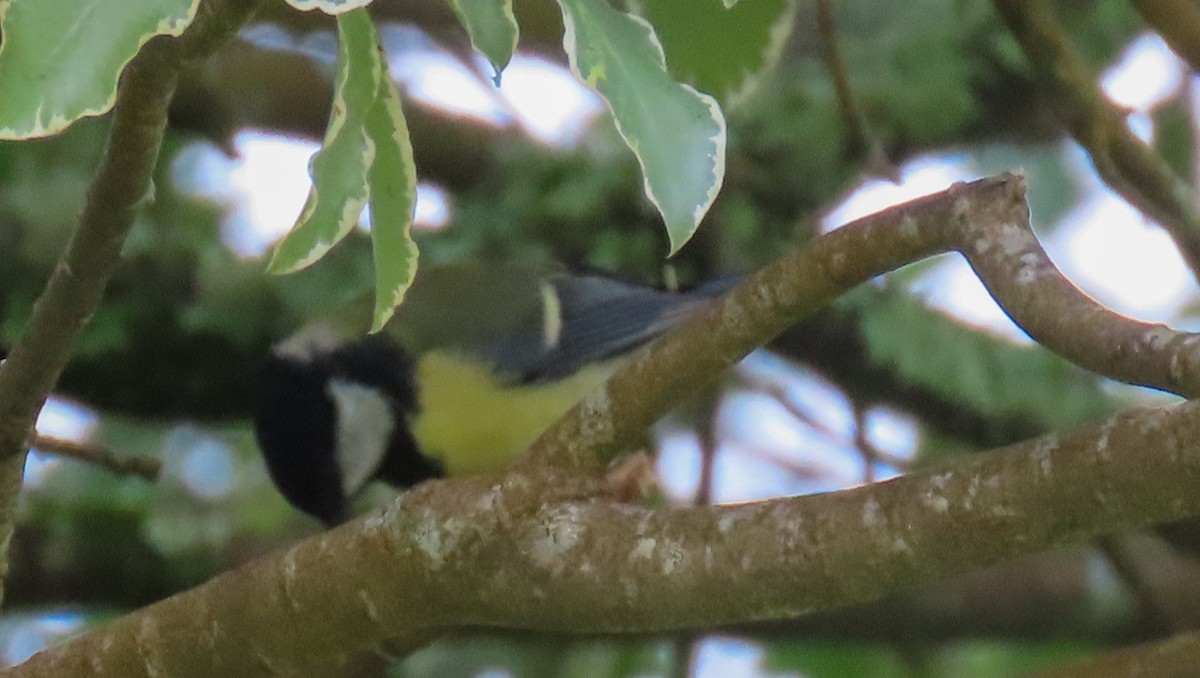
column 476, row 363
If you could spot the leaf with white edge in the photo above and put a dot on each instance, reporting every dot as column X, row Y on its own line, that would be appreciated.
column 492, row 27
column 729, row 3
column 677, row 133
column 339, row 169
column 393, row 178
column 722, row 51
column 334, row 7
column 60, row 59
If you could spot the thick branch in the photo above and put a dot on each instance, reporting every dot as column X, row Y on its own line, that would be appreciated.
column 1125, row 163
column 457, row 554
column 532, row 551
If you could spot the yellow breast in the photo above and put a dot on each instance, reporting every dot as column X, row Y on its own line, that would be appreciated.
column 475, row 424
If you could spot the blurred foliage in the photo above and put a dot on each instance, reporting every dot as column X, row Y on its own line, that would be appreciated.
column 991, row 375
column 1175, row 135
column 532, row 657
column 975, row 659
column 89, row 537
column 1054, row 189
column 170, row 358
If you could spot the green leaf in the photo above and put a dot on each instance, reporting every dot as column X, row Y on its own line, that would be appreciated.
column 1002, row 659
column 825, row 659
column 60, row 59
column 366, row 158
column 339, row 169
column 334, row 7
column 977, row 659
column 492, row 27
column 677, row 134
column 1175, row 134
column 722, row 50
column 393, row 198
column 987, row 373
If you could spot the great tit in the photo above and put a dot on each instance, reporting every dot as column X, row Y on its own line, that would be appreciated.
column 476, row 363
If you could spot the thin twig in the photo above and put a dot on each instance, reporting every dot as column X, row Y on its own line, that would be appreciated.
column 859, row 141
column 1123, row 562
column 866, row 449
column 683, row 650
column 708, row 457
column 780, row 394
column 100, row 455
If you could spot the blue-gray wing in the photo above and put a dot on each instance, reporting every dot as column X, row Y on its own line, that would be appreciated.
column 588, row 319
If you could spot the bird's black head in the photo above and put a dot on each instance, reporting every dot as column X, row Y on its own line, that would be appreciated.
column 332, row 418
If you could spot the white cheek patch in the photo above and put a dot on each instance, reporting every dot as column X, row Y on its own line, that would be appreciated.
column 364, row 421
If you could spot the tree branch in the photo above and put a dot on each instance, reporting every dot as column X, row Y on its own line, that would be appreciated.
column 1124, row 162
column 458, row 554
column 122, row 185
column 146, row 468
column 859, row 141
column 987, row 221
column 535, row 548
column 1152, row 611
column 1178, row 22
